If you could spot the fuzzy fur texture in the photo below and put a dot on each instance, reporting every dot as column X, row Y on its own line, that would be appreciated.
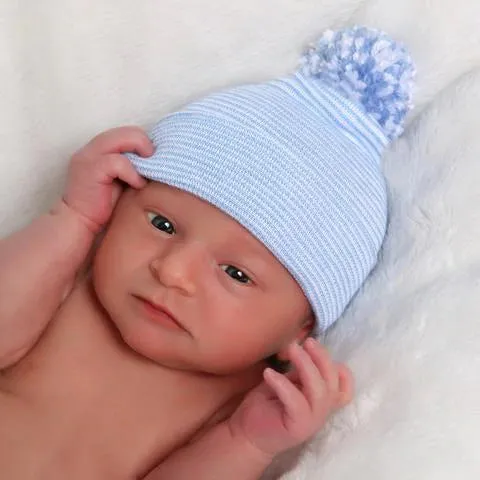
column 71, row 68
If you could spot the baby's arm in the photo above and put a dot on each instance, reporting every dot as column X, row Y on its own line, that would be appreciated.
column 215, row 456
column 281, row 413
column 39, row 262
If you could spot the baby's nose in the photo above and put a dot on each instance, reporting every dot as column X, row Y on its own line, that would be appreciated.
column 181, row 267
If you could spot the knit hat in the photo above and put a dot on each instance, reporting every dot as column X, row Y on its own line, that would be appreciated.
column 296, row 160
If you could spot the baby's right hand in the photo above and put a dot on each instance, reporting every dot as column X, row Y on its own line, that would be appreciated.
column 92, row 190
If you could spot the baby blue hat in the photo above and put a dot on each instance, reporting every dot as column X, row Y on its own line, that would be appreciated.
column 297, row 160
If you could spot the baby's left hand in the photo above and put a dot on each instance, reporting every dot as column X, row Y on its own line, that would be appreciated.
column 286, row 410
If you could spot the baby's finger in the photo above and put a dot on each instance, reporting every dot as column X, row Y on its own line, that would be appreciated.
column 324, row 363
column 312, row 383
column 118, row 166
column 122, row 139
column 293, row 401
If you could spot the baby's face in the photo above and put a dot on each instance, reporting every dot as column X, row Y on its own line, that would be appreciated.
column 188, row 287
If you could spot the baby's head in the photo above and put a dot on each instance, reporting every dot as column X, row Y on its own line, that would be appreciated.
column 267, row 208
column 233, row 301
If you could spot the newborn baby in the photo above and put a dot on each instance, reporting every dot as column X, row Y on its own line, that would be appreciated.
column 227, row 239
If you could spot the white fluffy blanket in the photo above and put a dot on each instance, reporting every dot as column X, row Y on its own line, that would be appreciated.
column 70, row 68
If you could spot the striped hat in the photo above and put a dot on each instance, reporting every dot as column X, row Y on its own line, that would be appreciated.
column 296, row 160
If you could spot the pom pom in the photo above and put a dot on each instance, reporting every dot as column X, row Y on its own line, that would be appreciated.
column 369, row 68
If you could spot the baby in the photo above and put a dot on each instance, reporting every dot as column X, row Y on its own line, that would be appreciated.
column 231, row 236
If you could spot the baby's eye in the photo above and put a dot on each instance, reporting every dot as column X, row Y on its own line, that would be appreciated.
column 161, row 223
column 235, row 273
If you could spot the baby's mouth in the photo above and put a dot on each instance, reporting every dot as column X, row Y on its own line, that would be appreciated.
column 159, row 313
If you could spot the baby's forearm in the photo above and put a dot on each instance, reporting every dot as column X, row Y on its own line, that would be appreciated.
column 216, row 455
column 38, row 263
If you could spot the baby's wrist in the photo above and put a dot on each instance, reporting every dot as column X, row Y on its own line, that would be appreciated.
column 63, row 209
column 73, row 219
column 247, row 448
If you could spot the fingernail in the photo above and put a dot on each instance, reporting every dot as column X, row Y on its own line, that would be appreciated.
column 269, row 372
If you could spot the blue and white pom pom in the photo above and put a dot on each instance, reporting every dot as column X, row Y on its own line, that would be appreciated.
column 368, row 67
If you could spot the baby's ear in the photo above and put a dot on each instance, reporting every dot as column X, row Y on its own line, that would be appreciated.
column 306, row 329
